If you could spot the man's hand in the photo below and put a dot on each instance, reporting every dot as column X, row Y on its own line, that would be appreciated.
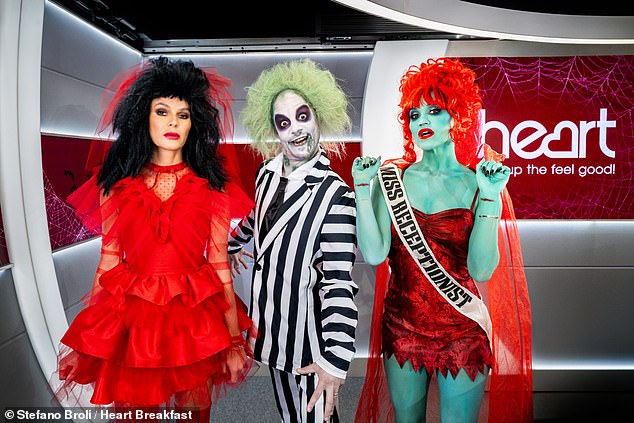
column 237, row 259
column 325, row 383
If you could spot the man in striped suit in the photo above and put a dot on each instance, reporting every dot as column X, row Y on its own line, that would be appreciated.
column 304, row 239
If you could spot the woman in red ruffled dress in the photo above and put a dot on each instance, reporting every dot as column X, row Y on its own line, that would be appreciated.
column 162, row 326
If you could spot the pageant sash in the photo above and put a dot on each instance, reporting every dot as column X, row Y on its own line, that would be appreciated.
column 412, row 237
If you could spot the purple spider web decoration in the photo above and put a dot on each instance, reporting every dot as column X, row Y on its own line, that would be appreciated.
column 64, row 228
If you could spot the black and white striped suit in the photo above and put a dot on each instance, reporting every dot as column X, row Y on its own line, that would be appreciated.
column 302, row 297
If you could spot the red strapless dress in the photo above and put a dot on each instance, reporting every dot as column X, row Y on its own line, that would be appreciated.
column 418, row 324
column 155, row 326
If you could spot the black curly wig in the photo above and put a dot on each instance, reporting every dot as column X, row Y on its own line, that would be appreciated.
column 132, row 150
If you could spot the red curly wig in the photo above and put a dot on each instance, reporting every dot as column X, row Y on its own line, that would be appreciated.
column 450, row 85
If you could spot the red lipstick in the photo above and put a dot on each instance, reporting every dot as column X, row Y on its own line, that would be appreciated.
column 171, row 135
column 425, row 133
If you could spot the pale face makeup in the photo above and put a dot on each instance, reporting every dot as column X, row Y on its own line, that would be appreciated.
column 430, row 126
column 297, row 128
column 170, row 122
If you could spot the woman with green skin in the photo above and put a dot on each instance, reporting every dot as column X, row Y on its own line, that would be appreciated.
column 457, row 207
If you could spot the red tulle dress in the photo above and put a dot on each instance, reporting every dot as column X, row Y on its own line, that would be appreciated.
column 418, row 324
column 155, row 329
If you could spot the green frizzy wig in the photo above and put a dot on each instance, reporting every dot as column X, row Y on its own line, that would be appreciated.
column 309, row 80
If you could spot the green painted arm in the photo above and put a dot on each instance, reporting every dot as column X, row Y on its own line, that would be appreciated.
column 373, row 219
column 484, row 255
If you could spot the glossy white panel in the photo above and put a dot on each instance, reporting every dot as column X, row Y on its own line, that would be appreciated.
column 75, row 268
column 78, row 61
column 69, row 107
column 382, row 133
column 466, row 18
column 78, row 49
column 21, row 191
column 577, row 243
column 582, row 318
column 10, row 316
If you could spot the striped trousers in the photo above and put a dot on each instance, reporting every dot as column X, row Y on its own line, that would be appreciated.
column 292, row 393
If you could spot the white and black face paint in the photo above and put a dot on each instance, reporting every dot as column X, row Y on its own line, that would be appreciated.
column 297, row 128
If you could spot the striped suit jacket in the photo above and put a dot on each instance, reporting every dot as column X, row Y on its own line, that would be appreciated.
column 302, row 296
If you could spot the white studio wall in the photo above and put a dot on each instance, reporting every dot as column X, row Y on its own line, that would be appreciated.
column 390, row 61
